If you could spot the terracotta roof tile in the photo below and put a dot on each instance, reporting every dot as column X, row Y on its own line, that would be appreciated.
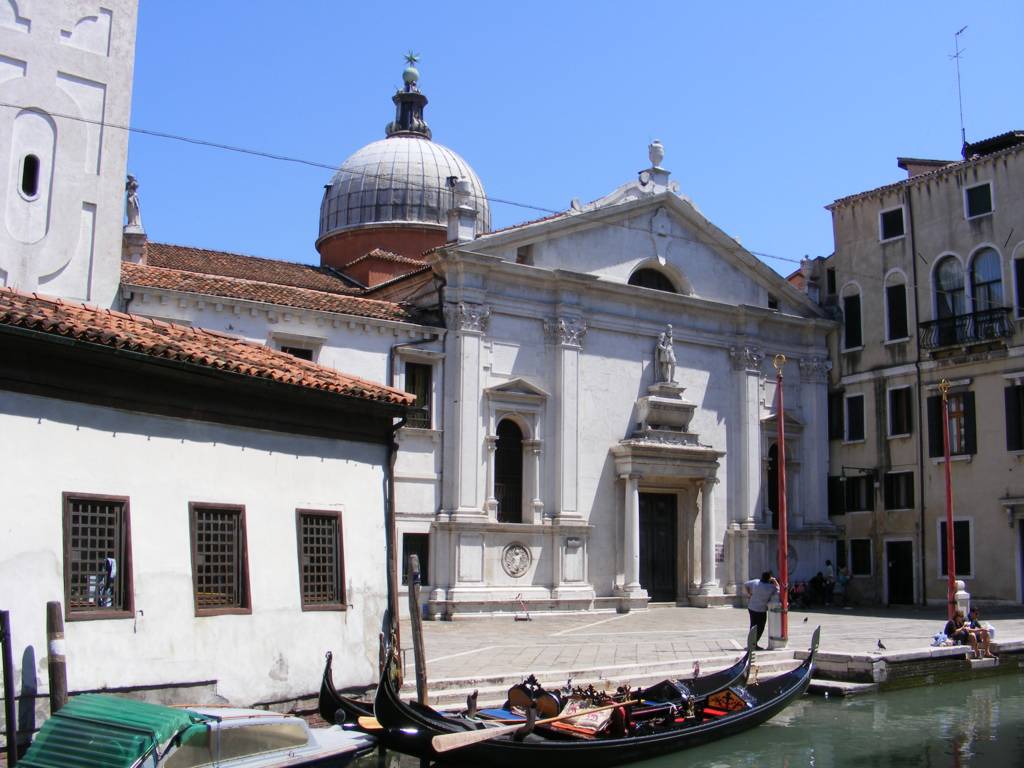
column 191, row 346
column 379, row 254
column 146, row 276
column 224, row 264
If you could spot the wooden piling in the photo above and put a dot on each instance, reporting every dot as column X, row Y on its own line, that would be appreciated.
column 10, row 714
column 416, row 620
column 56, row 663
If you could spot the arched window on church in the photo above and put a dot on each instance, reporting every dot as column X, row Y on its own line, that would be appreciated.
column 508, row 472
column 652, row 278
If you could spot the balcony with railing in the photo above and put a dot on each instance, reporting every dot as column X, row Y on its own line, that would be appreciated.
column 965, row 330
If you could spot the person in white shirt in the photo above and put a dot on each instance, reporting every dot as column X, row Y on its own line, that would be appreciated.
column 760, row 592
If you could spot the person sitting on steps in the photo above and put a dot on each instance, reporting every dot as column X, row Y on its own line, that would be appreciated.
column 981, row 634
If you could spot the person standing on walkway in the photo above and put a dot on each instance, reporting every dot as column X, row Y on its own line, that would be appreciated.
column 830, row 582
column 760, row 592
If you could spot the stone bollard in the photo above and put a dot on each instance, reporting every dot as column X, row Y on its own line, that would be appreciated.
column 962, row 597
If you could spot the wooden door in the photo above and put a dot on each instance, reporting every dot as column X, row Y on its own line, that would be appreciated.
column 899, row 557
column 658, row 546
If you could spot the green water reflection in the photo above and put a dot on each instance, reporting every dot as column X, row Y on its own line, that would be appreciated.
column 944, row 726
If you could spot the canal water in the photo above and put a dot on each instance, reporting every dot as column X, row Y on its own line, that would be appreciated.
column 952, row 725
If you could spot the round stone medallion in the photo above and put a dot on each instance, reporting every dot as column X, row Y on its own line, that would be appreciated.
column 516, row 560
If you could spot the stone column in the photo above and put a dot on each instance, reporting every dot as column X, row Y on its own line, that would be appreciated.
column 631, row 555
column 469, row 322
column 567, row 334
column 746, row 361
column 491, row 501
column 534, row 448
column 814, row 481
column 708, row 581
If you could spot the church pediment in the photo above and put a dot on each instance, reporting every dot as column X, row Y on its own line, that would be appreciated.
column 791, row 422
column 517, row 389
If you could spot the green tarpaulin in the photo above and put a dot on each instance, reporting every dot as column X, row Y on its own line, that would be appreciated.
column 101, row 731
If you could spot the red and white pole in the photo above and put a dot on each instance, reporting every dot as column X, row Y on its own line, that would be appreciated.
column 780, row 417
column 950, row 551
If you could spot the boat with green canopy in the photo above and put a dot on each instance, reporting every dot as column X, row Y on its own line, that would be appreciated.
column 105, row 731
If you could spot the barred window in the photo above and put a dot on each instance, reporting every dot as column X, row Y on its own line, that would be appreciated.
column 418, row 378
column 97, row 557
column 321, row 560
column 220, row 568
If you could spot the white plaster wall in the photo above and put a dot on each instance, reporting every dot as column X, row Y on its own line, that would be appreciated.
column 74, row 58
column 161, row 464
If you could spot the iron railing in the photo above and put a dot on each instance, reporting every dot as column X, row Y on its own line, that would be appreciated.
column 975, row 328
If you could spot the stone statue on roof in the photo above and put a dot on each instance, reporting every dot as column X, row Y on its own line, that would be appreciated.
column 132, row 210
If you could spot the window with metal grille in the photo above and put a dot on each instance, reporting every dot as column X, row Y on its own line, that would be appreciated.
column 321, row 560
column 220, row 569
column 418, row 381
column 97, row 557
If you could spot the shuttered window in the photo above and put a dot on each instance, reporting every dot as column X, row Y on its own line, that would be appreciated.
column 1014, row 399
column 961, row 548
column 896, row 312
column 900, row 412
column 854, row 418
column 962, row 440
column 852, row 337
column 899, row 490
column 418, row 381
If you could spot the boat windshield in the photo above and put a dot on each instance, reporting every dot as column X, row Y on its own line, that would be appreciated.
column 203, row 745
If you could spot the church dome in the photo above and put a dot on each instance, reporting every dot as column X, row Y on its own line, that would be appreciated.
column 395, row 193
column 402, row 179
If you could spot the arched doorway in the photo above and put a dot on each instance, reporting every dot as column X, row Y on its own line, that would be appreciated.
column 773, row 485
column 508, row 472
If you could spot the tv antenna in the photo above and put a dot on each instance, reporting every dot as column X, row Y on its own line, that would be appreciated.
column 959, row 91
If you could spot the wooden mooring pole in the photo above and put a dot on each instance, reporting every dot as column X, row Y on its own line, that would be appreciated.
column 56, row 663
column 10, row 714
column 416, row 620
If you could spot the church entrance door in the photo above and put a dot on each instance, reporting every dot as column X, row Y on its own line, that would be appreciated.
column 658, row 545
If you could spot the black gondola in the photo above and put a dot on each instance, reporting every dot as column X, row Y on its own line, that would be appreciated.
column 331, row 703
column 411, row 728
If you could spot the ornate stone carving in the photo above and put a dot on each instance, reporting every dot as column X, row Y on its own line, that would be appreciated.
column 656, row 153
column 566, row 331
column 665, row 354
column 467, row 317
column 747, row 358
column 516, row 560
column 814, row 368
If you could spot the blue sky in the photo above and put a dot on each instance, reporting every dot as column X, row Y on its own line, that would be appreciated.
column 768, row 111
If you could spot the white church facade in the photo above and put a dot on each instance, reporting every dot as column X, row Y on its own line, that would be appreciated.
column 583, row 406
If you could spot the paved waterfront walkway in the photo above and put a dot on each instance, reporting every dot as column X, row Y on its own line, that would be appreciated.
column 494, row 646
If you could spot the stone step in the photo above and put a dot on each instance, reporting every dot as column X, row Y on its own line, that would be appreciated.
column 492, row 690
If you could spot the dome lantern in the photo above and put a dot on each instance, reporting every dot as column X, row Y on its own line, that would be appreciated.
column 394, row 193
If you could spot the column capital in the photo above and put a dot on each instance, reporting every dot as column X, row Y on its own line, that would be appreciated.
column 536, row 445
column 566, row 331
column 472, row 318
column 746, row 358
column 814, row 369
column 491, row 441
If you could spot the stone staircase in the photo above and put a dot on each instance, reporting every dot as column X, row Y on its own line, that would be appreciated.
column 492, row 690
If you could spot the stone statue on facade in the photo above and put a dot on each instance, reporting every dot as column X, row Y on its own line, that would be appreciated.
column 666, row 356
column 132, row 205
